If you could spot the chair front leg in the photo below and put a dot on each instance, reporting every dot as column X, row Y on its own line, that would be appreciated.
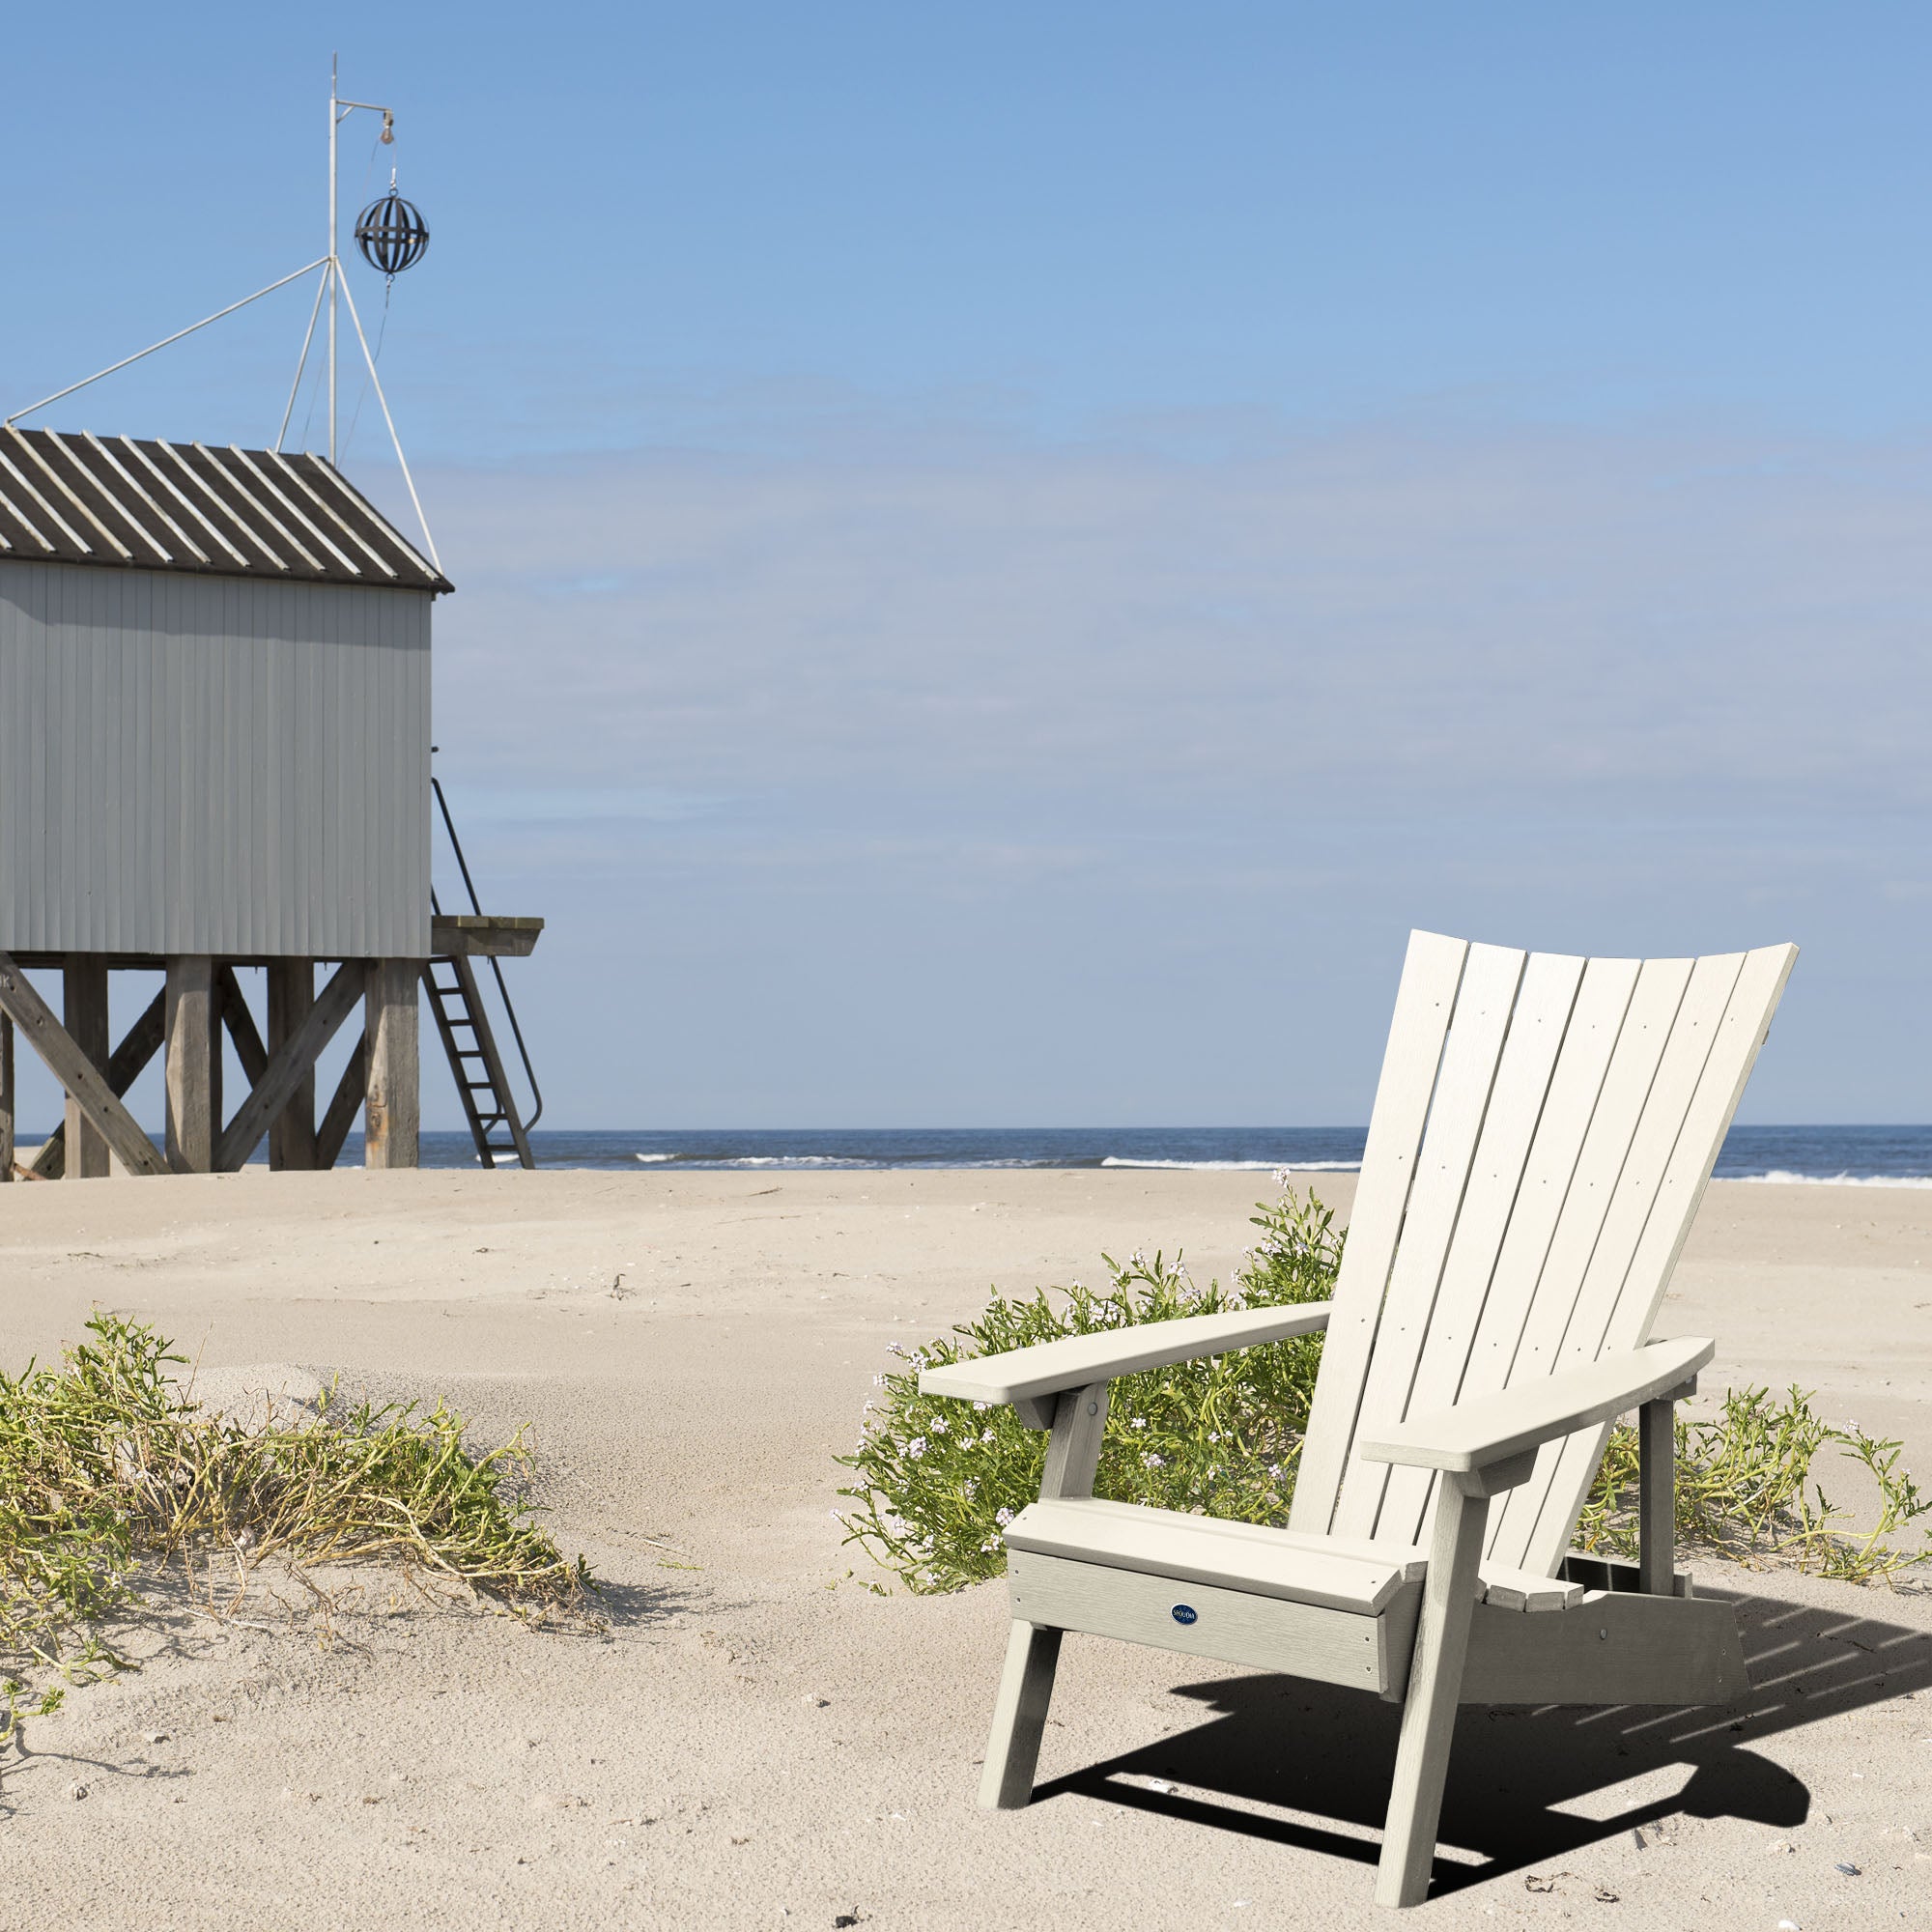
column 1434, row 1683
column 1032, row 1650
column 1019, row 1716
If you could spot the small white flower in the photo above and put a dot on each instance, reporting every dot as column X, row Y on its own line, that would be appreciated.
column 986, row 1438
column 1140, row 1422
column 982, row 1407
column 1003, row 1517
column 972, row 1488
column 916, row 1448
column 940, row 1425
column 1153, row 1461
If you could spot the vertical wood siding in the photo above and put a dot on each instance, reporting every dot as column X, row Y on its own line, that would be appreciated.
column 210, row 764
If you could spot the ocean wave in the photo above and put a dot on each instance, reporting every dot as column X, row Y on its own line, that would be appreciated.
column 1782, row 1177
column 1236, row 1166
column 650, row 1160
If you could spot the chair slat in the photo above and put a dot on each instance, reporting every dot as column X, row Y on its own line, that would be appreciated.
column 1666, row 1041
column 1537, row 1029
column 1754, row 995
column 1424, row 1002
column 1557, row 1144
column 1467, row 1077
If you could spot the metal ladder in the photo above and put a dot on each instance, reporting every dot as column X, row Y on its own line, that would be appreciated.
column 482, row 1083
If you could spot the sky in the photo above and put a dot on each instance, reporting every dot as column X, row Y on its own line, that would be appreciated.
column 1005, row 556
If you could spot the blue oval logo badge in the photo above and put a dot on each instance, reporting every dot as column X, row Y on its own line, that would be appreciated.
column 1184, row 1613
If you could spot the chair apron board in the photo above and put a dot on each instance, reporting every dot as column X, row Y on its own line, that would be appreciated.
column 1542, row 1132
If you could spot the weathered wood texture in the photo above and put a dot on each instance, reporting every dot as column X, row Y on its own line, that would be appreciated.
column 139, row 1045
column 292, row 1063
column 239, row 1023
column 6, row 1102
column 76, row 1074
column 292, row 1133
column 193, row 1067
column 84, row 1013
column 344, row 1106
column 483, row 935
column 392, row 1116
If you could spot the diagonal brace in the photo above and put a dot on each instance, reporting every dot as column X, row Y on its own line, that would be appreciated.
column 130, row 1059
column 289, row 1066
column 87, row 1084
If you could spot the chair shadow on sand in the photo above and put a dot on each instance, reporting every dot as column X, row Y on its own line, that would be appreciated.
column 1326, row 1753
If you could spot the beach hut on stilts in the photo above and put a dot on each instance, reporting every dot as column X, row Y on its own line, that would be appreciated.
column 214, row 763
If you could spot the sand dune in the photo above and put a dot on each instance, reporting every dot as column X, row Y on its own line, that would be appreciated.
column 759, row 1741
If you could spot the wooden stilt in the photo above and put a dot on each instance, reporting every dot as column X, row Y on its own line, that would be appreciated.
column 193, row 1064
column 392, row 1116
column 291, row 995
column 84, row 1013
column 294, row 1062
column 344, row 1106
column 78, row 1077
column 142, row 1043
column 5, row 1099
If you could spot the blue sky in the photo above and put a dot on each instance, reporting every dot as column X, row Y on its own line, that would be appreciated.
column 1006, row 557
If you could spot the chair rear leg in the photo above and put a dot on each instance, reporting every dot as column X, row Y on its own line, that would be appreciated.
column 1434, row 1685
column 1019, row 1716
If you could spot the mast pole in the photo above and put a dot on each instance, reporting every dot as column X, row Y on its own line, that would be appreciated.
column 332, row 274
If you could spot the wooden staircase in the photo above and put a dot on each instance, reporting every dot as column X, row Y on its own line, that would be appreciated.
column 496, row 1125
column 481, row 1083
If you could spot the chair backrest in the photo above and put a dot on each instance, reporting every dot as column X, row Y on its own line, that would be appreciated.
column 1543, row 1132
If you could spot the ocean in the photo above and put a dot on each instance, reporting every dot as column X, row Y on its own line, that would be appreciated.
column 1868, row 1156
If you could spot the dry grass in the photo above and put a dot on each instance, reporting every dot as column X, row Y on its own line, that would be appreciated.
column 111, row 1471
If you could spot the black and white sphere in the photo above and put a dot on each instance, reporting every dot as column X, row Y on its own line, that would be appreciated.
column 392, row 235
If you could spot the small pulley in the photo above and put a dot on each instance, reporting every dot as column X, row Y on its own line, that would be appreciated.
column 392, row 233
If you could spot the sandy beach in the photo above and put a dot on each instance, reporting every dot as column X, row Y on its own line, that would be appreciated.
column 759, row 1739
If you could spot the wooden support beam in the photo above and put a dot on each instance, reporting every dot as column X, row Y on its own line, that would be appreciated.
column 76, row 1074
column 193, row 1066
column 291, row 1142
column 392, row 1115
column 241, row 1027
column 483, row 935
column 84, row 1013
column 5, row 1099
column 343, row 1106
column 140, row 1044
column 292, row 1062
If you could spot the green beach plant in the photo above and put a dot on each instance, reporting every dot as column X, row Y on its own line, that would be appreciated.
column 936, row 1480
column 110, row 1470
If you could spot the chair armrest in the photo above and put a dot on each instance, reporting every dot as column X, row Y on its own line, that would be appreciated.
column 1493, row 1428
column 1023, row 1375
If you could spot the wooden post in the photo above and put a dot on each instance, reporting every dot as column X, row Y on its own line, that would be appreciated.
column 193, row 1068
column 392, row 1104
column 1657, row 1497
column 84, row 1014
column 5, row 1099
column 291, row 995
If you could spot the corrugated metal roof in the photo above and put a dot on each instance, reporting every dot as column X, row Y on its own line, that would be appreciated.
column 67, row 499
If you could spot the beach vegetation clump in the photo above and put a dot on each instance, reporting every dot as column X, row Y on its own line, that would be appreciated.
column 1747, row 1490
column 937, row 1480
column 111, row 1471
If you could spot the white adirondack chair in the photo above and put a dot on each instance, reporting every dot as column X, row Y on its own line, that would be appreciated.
column 1543, row 1132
